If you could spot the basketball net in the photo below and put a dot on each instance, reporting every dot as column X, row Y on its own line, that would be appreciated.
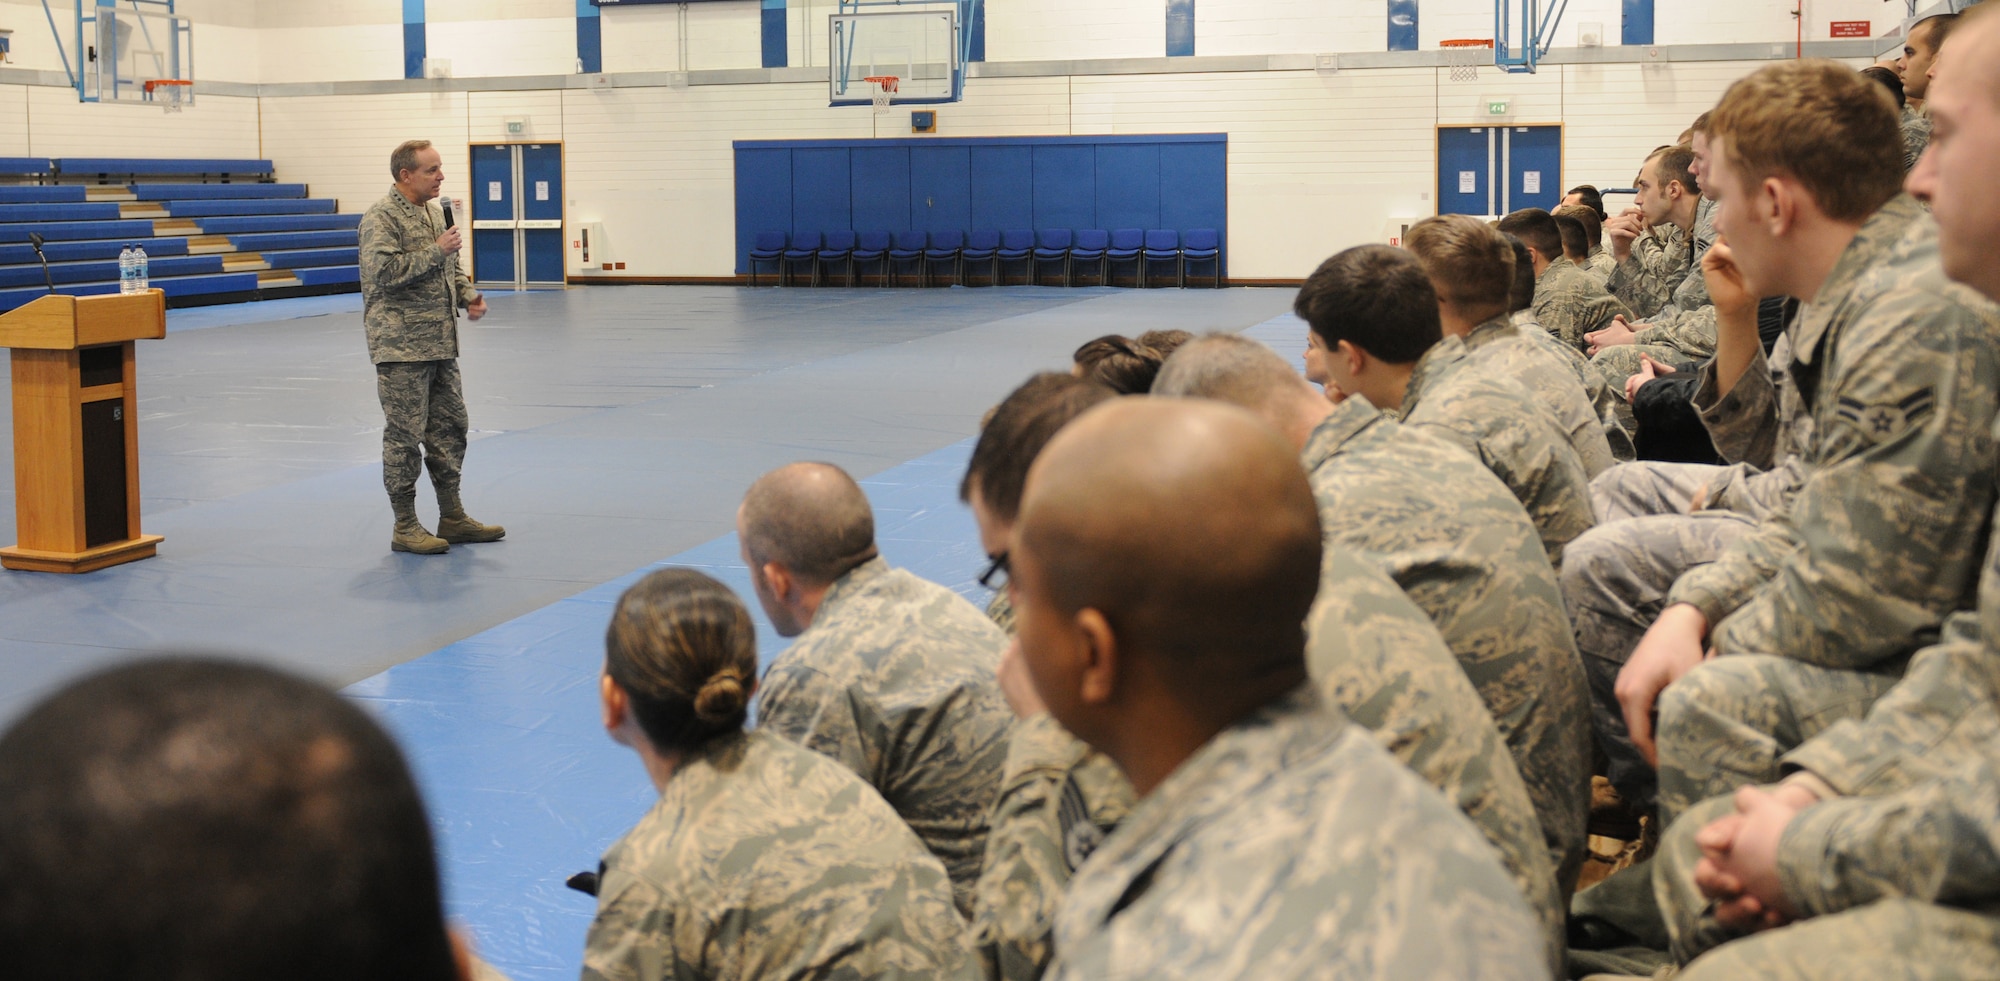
column 885, row 90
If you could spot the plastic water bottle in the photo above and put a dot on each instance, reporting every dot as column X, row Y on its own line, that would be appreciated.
column 128, row 268
column 139, row 267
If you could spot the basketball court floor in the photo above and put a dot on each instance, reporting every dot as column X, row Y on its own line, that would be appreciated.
column 615, row 428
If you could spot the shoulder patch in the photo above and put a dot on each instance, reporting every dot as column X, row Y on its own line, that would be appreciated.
column 1884, row 422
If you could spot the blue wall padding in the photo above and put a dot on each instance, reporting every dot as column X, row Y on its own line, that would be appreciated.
column 941, row 188
column 1178, row 181
column 776, row 49
column 1180, row 28
column 1402, row 25
column 415, row 47
column 589, row 37
column 1638, row 22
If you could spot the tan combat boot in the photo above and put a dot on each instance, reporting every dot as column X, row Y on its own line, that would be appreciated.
column 455, row 526
column 410, row 536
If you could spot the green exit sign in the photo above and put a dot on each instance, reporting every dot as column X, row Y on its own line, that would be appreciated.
column 1497, row 107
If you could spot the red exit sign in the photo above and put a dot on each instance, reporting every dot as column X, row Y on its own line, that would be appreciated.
column 1851, row 28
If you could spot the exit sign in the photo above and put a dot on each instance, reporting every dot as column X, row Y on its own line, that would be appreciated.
column 1851, row 28
column 1497, row 107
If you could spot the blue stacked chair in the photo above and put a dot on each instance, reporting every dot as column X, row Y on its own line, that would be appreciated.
column 1202, row 245
column 945, row 247
column 805, row 248
column 1092, row 245
column 1127, row 245
column 872, row 247
column 981, row 246
column 1052, row 245
column 768, row 247
column 1017, row 245
column 1162, row 245
column 909, row 247
column 839, row 247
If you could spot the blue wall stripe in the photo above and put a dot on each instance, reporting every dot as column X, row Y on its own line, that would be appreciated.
column 1638, row 27
column 1180, row 28
column 1402, row 25
column 414, row 46
column 776, row 53
column 589, row 37
column 975, row 31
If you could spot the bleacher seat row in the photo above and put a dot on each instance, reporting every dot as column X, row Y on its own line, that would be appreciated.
column 211, row 229
column 1074, row 250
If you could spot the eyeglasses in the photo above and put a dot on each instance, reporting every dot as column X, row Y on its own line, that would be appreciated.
column 995, row 576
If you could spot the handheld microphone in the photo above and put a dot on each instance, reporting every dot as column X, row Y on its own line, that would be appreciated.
column 35, row 239
column 447, row 213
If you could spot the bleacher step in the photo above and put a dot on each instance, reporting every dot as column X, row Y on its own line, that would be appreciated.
column 276, row 277
column 141, row 209
column 209, row 244
column 108, row 192
column 168, row 227
column 243, row 262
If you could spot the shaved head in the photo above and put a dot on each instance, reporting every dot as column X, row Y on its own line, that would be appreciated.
column 1216, row 607
column 812, row 518
column 1242, row 372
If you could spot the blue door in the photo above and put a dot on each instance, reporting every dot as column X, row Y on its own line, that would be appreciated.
column 542, row 212
column 1534, row 167
column 493, row 199
column 1466, row 157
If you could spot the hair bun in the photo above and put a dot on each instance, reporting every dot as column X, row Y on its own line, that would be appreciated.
column 721, row 698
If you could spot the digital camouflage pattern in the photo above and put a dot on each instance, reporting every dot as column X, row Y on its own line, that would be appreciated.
column 1058, row 800
column 1570, row 303
column 1884, row 538
column 1658, row 262
column 763, row 860
column 1681, row 327
column 1458, row 543
column 1916, row 136
column 1290, row 846
column 424, row 423
column 1498, row 347
column 410, row 289
column 1501, row 425
column 1600, row 264
column 895, row 679
column 1375, row 655
column 1378, row 657
column 1900, row 369
column 1612, row 412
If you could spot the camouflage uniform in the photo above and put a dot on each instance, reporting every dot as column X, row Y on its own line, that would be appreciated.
column 1290, row 846
column 1898, row 367
column 1569, row 303
column 1600, row 264
column 895, row 678
column 1500, row 424
column 1683, row 327
column 762, row 860
column 410, row 292
column 1650, row 532
column 1375, row 655
column 1659, row 261
column 1499, row 348
column 1611, row 409
column 1458, row 543
column 1916, row 135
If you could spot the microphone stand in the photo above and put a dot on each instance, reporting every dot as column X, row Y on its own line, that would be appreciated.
column 35, row 239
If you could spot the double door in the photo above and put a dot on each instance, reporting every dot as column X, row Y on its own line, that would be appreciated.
column 517, row 214
column 1492, row 170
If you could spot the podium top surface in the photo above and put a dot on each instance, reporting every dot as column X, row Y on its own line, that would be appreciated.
column 59, row 322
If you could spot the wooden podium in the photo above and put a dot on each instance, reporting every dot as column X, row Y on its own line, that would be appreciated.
column 76, row 429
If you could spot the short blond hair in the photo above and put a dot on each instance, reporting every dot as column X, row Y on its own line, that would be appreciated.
column 1470, row 263
column 1819, row 123
column 405, row 157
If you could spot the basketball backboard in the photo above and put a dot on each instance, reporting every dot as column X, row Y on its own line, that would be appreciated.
column 125, row 48
column 920, row 48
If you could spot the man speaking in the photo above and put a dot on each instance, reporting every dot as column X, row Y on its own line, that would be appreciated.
column 411, row 287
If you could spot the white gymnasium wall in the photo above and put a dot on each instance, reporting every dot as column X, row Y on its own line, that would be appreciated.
column 340, row 145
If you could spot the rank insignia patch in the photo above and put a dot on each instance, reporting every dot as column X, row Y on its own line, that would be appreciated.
column 1885, row 421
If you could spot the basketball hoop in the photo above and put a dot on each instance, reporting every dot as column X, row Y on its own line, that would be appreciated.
column 885, row 90
column 1464, row 55
column 170, row 93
